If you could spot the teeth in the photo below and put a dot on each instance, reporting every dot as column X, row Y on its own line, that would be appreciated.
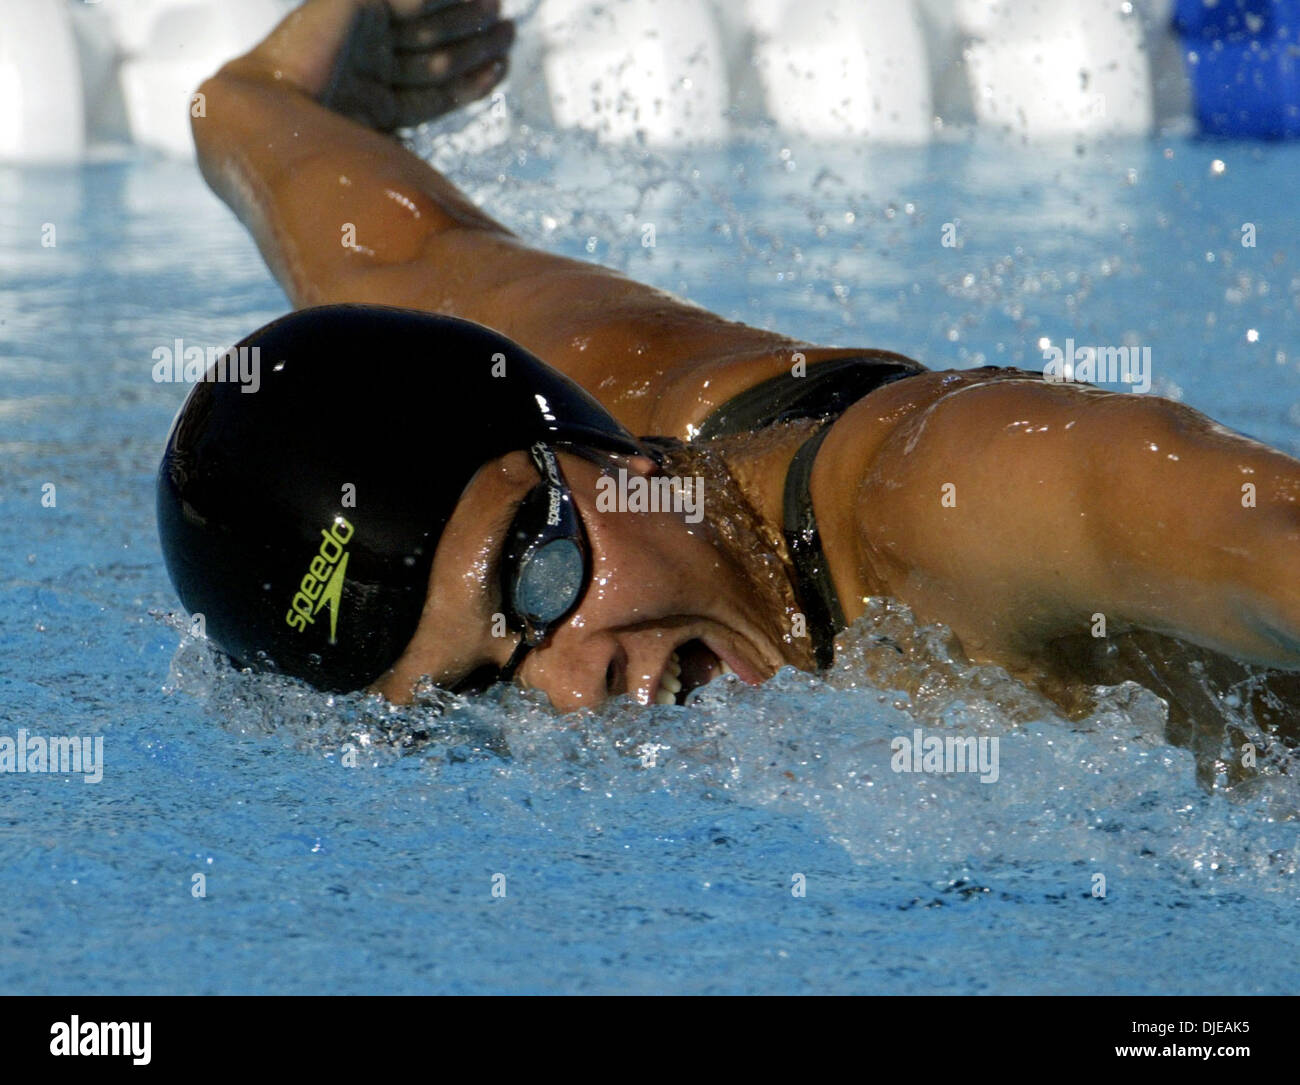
column 671, row 683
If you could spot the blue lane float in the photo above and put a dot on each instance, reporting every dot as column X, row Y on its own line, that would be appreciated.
column 1243, row 60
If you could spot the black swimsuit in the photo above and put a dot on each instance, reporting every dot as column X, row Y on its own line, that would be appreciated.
column 826, row 391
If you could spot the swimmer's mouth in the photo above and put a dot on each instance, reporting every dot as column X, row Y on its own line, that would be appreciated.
column 689, row 666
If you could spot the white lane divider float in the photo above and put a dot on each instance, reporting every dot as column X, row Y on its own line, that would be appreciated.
column 845, row 71
column 659, row 72
column 171, row 49
column 1045, row 70
column 636, row 70
column 41, row 113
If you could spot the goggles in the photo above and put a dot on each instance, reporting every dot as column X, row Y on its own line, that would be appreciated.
column 545, row 563
column 545, row 567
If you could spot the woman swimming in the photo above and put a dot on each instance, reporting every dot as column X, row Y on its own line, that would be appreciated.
column 410, row 494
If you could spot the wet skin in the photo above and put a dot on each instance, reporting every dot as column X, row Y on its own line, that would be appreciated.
column 629, row 621
column 1063, row 502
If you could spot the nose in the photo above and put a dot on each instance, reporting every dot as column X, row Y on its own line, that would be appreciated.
column 576, row 669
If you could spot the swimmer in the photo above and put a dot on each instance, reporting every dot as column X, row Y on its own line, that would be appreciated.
column 416, row 487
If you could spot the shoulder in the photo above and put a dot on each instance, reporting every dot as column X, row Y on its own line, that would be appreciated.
column 900, row 407
column 874, row 450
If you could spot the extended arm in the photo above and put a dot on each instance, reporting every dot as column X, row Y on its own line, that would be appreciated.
column 301, row 175
column 305, row 177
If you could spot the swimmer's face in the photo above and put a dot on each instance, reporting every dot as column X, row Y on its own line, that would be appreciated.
column 659, row 585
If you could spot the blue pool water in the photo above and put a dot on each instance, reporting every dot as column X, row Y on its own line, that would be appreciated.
column 627, row 870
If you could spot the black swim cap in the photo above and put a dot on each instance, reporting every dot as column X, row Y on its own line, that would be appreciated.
column 300, row 519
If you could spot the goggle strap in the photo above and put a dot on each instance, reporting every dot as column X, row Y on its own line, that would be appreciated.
column 522, row 649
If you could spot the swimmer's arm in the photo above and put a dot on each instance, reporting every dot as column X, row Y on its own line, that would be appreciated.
column 1020, row 512
column 305, row 178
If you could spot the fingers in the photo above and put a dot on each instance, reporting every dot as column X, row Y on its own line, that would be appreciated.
column 461, row 19
column 409, row 9
column 448, row 61
column 416, row 106
column 359, row 83
column 374, row 105
column 404, row 64
column 366, row 52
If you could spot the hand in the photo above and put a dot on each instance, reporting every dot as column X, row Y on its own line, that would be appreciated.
column 410, row 61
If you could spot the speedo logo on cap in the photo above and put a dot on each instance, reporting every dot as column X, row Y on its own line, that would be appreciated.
column 323, row 584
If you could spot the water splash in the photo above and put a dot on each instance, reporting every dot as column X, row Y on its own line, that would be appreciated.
column 1103, row 791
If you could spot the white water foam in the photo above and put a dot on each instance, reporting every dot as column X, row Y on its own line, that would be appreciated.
column 1106, row 792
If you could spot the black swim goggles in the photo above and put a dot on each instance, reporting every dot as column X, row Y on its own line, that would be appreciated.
column 545, row 561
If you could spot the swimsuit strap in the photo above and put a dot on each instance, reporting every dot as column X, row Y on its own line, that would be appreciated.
column 813, row 589
column 826, row 390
